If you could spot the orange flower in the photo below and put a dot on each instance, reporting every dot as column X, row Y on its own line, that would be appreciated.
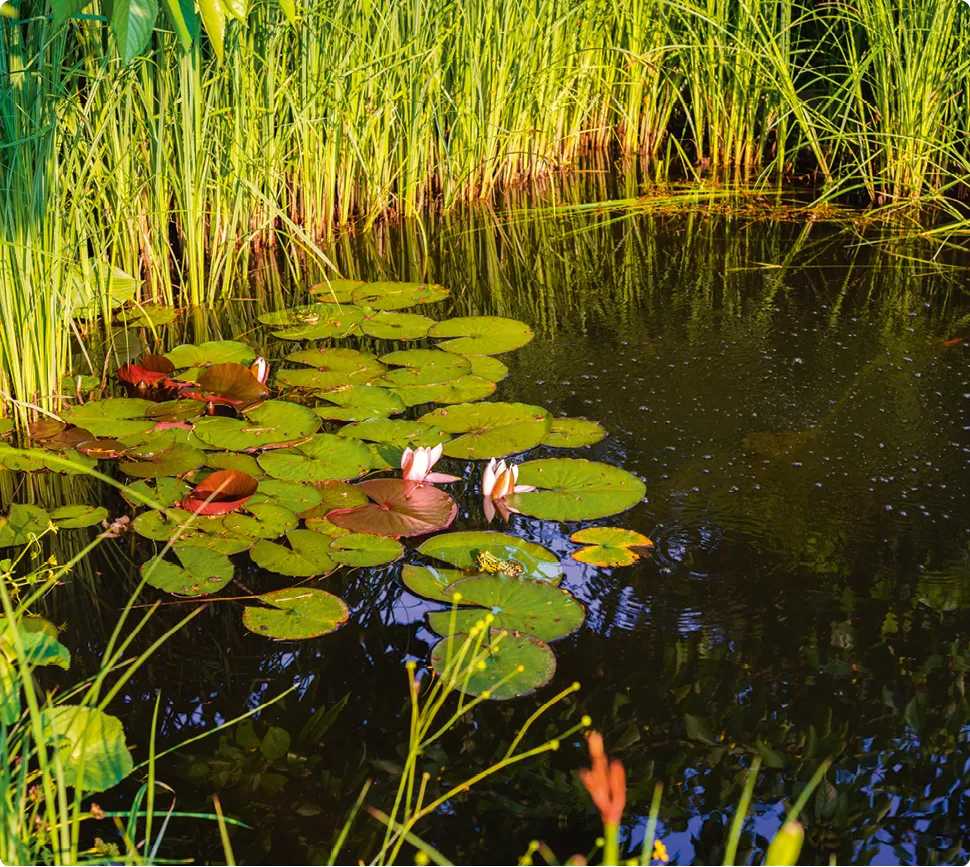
column 605, row 781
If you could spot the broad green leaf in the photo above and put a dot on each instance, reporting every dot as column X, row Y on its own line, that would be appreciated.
column 487, row 367
column 396, row 432
column 572, row 433
column 308, row 555
column 214, row 21
column 314, row 321
column 465, row 389
column 234, row 461
column 66, row 9
column 360, row 403
column 510, row 665
column 275, row 422
column 296, row 613
column 182, row 18
column 430, row 581
column 364, row 549
column 490, row 430
column 202, row 572
column 177, row 460
column 482, row 335
column 73, row 517
column 264, row 521
column 333, row 368
column 575, row 490
column 238, row 9
column 423, row 367
column 132, row 22
column 23, row 522
column 319, row 459
column 212, row 352
column 275, row 744
column 462, row 549
column 166, row 492
column 396, row 326
column 386, row 295
column 91, row 746
column 610, row 546
column 296, row 497
column 115, row 417
column 520, row 605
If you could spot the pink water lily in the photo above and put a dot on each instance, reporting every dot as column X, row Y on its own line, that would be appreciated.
column 498, row 481
column 417, row 464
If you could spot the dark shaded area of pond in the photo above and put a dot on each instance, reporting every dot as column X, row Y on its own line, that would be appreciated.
column 798, row 405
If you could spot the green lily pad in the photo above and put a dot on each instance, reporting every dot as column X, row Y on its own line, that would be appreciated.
column 610, row 546
column 90, row 744
column 396, row 296
column 431, row 582
column 296, row 497
column 275, row 422
column 176, row 460
column 319, row 321
column 534, row 607
column 307, row 556
column 202, row 572
column 572, row 433
column 395, row 432
column 212, row 352
column 399, row 508
column 462, row 550
column 32, row 460
column 490, row 430
column 78, row 516
column 233, row 461
column 148, row 315
column 323, row 457
column 511, row 665
column 202, row 532
column 482, row 335
column 114, row 417
column 264, row 521
column 575, row 490
column 465, row 389
column 423, row 367
column 396, row 326
column 322, row 525
column 72, row 383
column 332, row 368
column 488, row 367
column 360, row 403
column 336, row 291
column 296, row 613
column 175, row 410
column 166, row 492
column 334, row 494
column 365, row 549
column 23, row 522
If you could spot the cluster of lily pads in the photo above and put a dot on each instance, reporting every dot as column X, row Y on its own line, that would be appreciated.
column 328, row 464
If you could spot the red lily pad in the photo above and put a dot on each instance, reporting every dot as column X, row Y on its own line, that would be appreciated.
column 398, row 508
column 228, row 490
column 229, row 384
column 148, row 372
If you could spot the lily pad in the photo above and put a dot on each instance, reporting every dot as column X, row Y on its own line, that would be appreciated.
column 399, row 508
column 365, row 549
column 319, row 321
column 148, row 315
column 307, row 556
column 431, row 582
column 572, row 433
column 233, row 461
column 462, row 549
column 212, row 352
column 220, row 492
column 273, row 423
column 22, row 523
column 323, row 457
column 396, row 326
column 190, row 531
column 535, row 607
column 360, row 403
column 336, row 291
column 396, row 296
column 175, row 410
column 395, row 432
column 202, row 572
column 334, row 494
column 32, row 460
column 488, row 367
column 176, row 460
column 482, row 335
column 79, row 383
column 490, row 430
column 610, row 546
column 511, row 665
column 166, row 492
column 264, row 521
column 229, row 384
column 91, row 746
column 78, row 516
column 575, row 490
column 333, row 368
column 423, row 367
column 465, row 389
column 296, row 497
column 114, row 417
column 296, row 613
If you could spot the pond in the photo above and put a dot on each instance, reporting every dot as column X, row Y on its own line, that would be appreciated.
column 796, row 400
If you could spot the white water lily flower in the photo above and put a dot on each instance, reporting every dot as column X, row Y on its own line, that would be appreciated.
column 498, row 481
column 417, row 464
column 260, row 369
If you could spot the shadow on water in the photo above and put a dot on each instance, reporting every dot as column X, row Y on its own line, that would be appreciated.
column 798, row 404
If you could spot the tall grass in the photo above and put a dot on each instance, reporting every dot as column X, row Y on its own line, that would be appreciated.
column 175, row 168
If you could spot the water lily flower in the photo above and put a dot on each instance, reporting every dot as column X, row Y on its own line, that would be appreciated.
column 417, row 464
column 498, row 481
column 260, row 369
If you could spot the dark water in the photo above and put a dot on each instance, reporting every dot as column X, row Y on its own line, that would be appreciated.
column 788, row 395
